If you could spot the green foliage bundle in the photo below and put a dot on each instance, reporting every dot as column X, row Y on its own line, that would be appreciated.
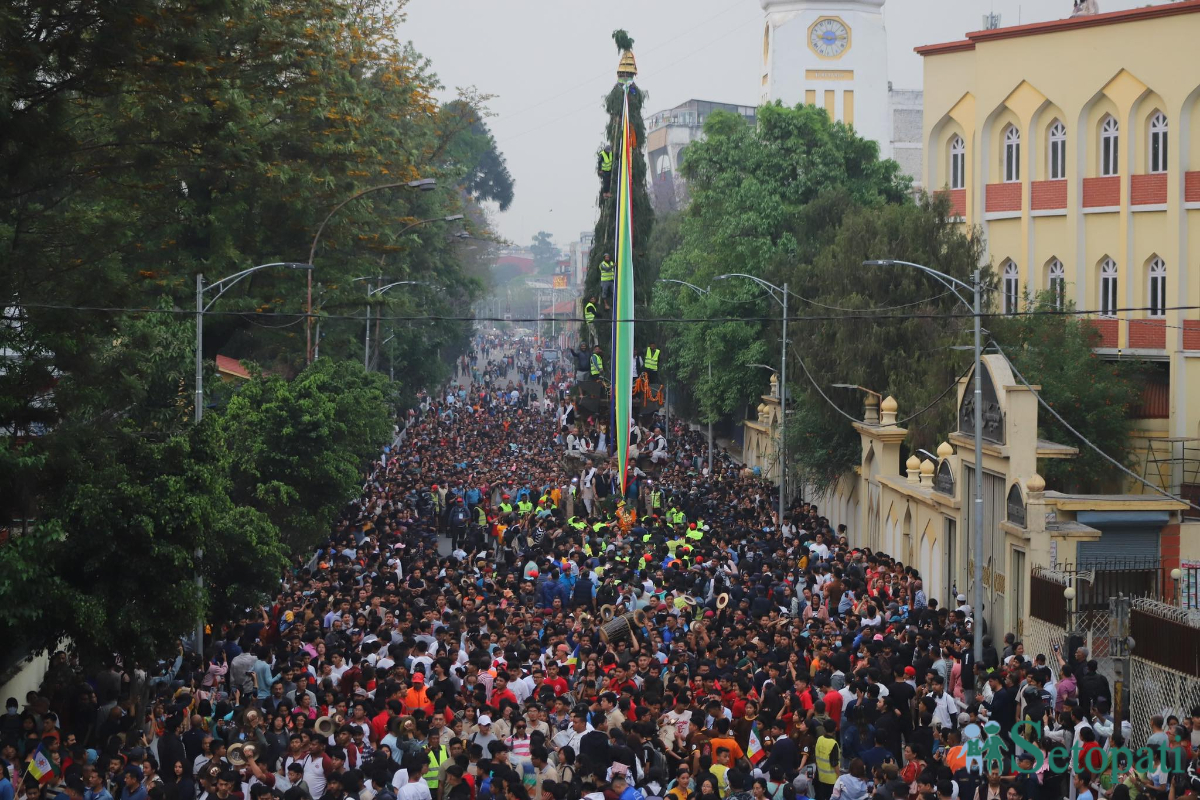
column 643, row 214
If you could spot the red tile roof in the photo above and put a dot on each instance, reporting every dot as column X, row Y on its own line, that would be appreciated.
column 231, row 366
column 565, row 307
column 1057, row 25
column 1155, row 402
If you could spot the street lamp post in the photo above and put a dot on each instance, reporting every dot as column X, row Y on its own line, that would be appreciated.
column 404, row 230
column 975, row 288
column 782, row 299
column 221, row 286
column 372, row 293
column 699, row 291
column 423, row 184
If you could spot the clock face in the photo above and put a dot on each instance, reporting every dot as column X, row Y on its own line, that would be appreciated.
column 829, row 37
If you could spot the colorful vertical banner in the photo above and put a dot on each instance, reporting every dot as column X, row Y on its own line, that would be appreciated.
column 622, row 356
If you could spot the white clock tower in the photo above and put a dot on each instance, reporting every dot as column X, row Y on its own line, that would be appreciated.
column 832, row 54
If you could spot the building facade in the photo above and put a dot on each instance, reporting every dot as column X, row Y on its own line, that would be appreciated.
column 668, row 133
column 833, row 54
column 921, row 510
column 580, row 252
column 1075, row 146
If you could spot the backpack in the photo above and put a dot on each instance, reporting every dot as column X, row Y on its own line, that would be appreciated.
column 656, row 764
column 606, row 594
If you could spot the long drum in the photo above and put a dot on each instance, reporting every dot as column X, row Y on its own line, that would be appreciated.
column 616, row 629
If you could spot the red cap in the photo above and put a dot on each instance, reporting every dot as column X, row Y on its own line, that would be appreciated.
column 910, row 671
column 419, row 677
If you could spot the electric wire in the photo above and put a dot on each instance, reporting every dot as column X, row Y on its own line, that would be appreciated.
column 867, row 310
column 854, row 419
column 683, row 320
column 1083, row 438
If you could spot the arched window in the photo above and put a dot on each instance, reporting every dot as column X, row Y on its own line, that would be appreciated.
column 1108, row 287
column 1012, row 287
column 1158, row 142
column 1157, row 274
column 958, row 163
column 1109, row 139
column 1012, row 154
column 1056, row 158
column 1056, row 282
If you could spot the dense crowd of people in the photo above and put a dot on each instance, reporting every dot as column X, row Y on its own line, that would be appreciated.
column 495, row 619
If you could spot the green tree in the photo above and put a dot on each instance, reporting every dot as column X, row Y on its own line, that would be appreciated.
column 1095, row 396
column 545, row 252
column 143, row 143
column 299, row 445
column 474, row 153
column 803, row 200
column 125, row 495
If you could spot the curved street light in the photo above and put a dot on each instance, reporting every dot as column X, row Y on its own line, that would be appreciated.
column 975, row 288
column 372, row 293
column 780, row 295
column 699, row 293
column 222, row 286
column 421, row 184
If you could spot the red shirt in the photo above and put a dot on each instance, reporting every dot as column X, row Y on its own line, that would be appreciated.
column 379, row 725
column 833, row 705
column 559, row 685
column 499, row 697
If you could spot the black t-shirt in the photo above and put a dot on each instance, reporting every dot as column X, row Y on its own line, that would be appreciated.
column 901, row 695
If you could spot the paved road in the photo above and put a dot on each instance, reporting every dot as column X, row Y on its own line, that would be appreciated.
column 445, row 546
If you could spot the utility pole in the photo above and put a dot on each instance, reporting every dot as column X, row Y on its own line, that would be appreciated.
column 221, row 286
column 976, row 288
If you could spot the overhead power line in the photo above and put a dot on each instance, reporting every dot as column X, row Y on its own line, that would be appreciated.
column 857, row 317
column 1083, row 438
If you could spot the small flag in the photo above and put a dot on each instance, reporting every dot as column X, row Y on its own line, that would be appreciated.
column 573, row 661
column 40, row 766
column 754, row 749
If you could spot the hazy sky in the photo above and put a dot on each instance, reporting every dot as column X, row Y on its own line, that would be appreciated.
column 549, row 63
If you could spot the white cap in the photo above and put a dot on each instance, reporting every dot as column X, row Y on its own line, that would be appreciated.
column 484, row 719
column 962, row 598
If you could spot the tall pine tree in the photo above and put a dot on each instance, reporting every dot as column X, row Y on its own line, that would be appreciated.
column 643, row 214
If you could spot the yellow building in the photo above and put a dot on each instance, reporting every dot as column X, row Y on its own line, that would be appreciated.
column 1075, row 145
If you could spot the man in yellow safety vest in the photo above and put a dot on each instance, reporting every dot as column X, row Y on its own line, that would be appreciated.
column 608, row 276
column 650, row 362
column 604, row 165
column 597, row 364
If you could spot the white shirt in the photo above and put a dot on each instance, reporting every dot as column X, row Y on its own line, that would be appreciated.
column 576, row 736
column 418, row 790
column 314, row 773
column 944, row 710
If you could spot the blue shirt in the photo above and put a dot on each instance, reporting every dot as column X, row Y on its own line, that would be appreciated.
column 6, row 789
column 262, row 671
column 140, row 794
column 97, row 794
